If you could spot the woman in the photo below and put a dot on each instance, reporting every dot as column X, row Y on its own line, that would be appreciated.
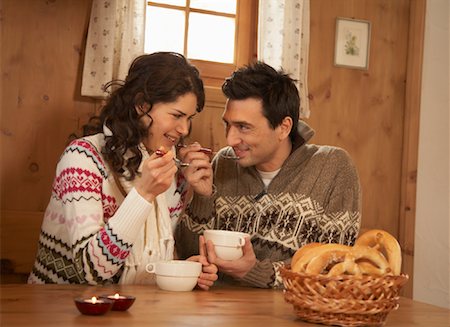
column 118, row 194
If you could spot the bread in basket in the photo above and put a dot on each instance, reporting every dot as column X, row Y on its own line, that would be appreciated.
column 335, row 284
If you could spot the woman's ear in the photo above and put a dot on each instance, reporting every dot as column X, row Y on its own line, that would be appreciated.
column 285, row 128
column 142, row 109
column 141, row 106
column 138, row 109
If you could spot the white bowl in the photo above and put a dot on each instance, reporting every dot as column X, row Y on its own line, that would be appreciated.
column 227, row 244
column 228, row 252
column 175, row 275
column 176, row 283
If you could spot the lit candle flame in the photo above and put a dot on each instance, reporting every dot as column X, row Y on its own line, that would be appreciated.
column 116, row 296
column 94, row 300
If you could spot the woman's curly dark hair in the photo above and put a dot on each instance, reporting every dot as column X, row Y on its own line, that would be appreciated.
column 160, row 77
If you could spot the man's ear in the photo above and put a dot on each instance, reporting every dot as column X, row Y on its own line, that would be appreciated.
column 285, row 128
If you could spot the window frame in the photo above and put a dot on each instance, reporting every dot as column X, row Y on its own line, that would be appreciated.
column 246, row 20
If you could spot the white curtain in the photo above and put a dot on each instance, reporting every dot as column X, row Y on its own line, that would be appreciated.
column 284, row 41
column 115, row 37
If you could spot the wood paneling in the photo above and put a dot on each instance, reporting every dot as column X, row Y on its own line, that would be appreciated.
column 19, row 237
column 411, row 138
column 362, row 110
column 208, row 128
column 368, row 112
column 42, row 43
column 41, row 62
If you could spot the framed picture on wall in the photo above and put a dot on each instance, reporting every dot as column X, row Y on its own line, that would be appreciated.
column 352, row 43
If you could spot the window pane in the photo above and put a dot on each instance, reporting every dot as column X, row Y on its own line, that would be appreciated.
column 225, row 6
column 211, row 38
column 164, row 30
column 171, row 2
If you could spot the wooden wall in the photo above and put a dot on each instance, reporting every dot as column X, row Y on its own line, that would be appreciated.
column 361, row 111
column 41, row 62
column 42, row 45
column 373, row 113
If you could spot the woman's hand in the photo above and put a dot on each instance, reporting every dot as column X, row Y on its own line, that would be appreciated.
column 199, row 174
column 158, row 173
column 209, row 271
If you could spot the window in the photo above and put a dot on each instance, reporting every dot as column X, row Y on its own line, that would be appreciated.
column 216, row 35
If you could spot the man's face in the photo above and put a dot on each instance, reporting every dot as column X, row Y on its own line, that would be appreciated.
column 251, row 136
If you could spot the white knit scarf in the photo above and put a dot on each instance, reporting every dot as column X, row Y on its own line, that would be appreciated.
column 155, row 241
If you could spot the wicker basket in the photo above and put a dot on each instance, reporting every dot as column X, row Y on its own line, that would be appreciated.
column 344, row 300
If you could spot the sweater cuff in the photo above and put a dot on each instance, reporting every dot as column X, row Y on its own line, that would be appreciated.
column 203, row 206
column 261, row 275
column 129, row 218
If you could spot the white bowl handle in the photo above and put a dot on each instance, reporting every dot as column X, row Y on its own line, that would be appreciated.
column 150, row 268
column 241, row 241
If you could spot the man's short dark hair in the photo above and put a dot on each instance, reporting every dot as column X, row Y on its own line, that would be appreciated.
column 276, row 89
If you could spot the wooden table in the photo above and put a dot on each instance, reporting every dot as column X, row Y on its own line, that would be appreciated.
column 53, row 305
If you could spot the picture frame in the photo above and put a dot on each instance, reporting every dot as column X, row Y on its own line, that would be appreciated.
column 352, row 43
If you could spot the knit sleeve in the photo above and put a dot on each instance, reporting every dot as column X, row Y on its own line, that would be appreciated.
column 266, row 274
column 343, row 206
column 262, row 275
column 100, row 234
column 197, row 217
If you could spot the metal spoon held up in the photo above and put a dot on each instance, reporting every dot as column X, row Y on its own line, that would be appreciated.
column 178, row 162
column 209, row 151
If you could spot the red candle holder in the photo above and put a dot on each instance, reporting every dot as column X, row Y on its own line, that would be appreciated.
column 93, row 306
column 120, row 302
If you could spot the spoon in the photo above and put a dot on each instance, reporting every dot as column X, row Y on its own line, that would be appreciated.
column 230, row 156
column 204, row 150
column 209, row 151
column 178, row 162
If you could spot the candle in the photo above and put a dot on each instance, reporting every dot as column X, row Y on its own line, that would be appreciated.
column 93, row 306
column 121, row 302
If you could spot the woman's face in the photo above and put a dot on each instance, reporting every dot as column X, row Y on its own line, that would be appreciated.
column 171, row 122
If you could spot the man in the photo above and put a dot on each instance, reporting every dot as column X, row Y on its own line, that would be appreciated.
column 270, row 183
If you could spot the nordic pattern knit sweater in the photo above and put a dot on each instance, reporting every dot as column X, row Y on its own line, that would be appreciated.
column 315, row 197
column 89, row 228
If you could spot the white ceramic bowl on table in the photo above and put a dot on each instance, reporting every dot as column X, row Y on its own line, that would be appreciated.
column 175, row 275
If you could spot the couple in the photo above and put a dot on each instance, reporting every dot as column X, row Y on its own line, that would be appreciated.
column 120, row 198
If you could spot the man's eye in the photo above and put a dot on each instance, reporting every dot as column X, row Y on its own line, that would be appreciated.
column 243, row 127
column 177, row 116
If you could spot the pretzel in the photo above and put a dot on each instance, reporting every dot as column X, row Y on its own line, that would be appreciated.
column 375, row 253
column 335, row 262
column 322, row 262
column 348, row 266
column 301, row 251
column 313, row 251
column 385, row 243
column 368, row 268
column 365, row 253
